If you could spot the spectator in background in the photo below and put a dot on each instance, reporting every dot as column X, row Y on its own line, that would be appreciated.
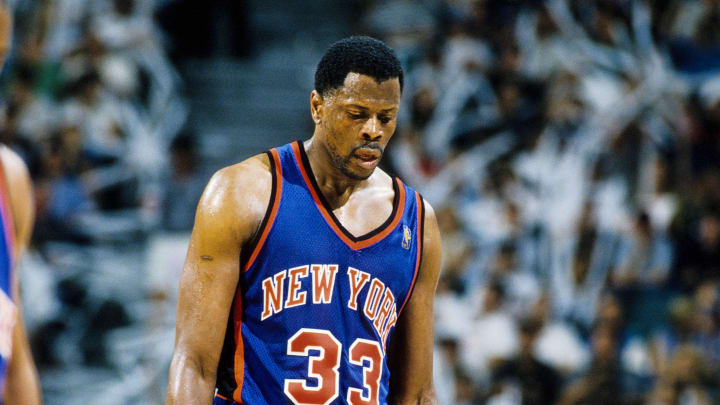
column 691, row 323
column 185, row 184
column 685, row 382
column 451, row 316
column 445, row 367
column 465, row 391
column 123, row 27
column 521, row 286
column 98, row 116
column 581, row 270
column 491, row 336
column 699, row 248
column 11, row 136
column 32, row 112
column 559, row 345
column 60, row 192
column 602, row 381
column 658, row 195
column 707, row 322
column 641, row 275
column 697, row 21
column 536, row 383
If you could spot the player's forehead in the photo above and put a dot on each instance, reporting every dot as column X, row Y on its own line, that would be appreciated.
column 359, row 89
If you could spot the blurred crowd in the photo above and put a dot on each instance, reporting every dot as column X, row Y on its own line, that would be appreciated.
column 91, row 102
column 571, row 150
column 91, row 105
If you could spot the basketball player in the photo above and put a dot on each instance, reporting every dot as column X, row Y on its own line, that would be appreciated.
column 18, row 377
column 310, row 273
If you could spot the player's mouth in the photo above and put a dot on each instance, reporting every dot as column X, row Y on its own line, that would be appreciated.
column 368, row 157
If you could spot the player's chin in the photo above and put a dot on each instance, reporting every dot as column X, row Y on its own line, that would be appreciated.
column 358, row 173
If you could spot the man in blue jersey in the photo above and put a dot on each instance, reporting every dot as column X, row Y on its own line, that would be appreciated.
column 311, row 273
column 18, row 378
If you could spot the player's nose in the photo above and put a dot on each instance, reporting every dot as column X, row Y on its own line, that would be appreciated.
column 371, row 130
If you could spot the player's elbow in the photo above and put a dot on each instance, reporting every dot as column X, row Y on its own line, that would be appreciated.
column 190, row 376
column 202, row 368
column 190, row 380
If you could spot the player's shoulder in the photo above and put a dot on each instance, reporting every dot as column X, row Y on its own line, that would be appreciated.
column 17, row 177
column 251, row 172
column 13, row 165
column 240, row 192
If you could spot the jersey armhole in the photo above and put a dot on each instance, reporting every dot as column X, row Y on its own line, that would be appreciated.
column 270, row 213
column 420, row 244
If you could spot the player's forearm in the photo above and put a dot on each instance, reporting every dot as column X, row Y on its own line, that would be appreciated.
column 190, row 383
column 23, row 388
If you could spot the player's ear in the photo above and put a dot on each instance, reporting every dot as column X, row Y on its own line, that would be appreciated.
column 317, row 106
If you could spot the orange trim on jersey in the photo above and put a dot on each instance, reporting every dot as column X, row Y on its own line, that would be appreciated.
column 420, row 236
column 8, row 220
column 221, row 397
column 332, row 221
column 239, row 358
column 277, row 184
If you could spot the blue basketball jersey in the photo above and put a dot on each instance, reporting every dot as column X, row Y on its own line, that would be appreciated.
column 7, row 307
column 316, row 307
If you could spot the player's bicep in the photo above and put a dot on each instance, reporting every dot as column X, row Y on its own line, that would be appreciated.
column 210, row 275
column 411, row 356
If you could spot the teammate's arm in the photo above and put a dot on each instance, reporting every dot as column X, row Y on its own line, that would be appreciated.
column 228, row 215
column 22, row 386
column 411, row 348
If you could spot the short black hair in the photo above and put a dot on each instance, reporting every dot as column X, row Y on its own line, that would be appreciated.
column 359, row 54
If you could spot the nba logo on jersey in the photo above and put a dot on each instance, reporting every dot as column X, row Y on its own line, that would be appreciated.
column 407, row 238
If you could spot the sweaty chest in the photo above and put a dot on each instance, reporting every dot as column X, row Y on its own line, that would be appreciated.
column 364, row 212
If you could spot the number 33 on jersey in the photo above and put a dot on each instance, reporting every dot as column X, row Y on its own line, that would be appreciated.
column 324, row 368
column 316, row 306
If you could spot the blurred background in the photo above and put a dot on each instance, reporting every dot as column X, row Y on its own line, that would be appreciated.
column 571, row 150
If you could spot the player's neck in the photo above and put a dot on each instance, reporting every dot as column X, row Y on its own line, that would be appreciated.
column 335, row 186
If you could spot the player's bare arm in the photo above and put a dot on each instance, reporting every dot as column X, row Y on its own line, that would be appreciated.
column 22, row 386
column 411, row 350
column 228, row 216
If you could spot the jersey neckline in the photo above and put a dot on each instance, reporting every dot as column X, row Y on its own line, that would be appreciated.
column 354, row 242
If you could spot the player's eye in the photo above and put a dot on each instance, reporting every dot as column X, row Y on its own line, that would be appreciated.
column 355, row 116
column 385, row 119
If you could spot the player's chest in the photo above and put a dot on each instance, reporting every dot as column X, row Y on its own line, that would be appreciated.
column 360, row 216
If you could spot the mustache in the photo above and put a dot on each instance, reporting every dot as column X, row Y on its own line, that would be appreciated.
column 370, row 145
